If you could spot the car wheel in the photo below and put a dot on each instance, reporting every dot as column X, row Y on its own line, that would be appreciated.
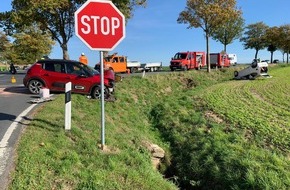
column 34, row 86
column 236, row 73
column 254, row 64
column 133, row 70
column 96, row 93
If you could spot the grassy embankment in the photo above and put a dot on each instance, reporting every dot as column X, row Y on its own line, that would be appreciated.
column 217, row 133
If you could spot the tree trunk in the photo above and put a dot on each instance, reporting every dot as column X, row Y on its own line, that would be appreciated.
column 271, row 57
column 288, row 57
column 256, row 54
column 65, row 51
column 207, row 52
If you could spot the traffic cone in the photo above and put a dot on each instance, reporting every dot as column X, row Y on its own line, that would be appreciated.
column 13, row 79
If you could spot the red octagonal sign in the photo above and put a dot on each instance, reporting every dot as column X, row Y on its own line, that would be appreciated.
column 100, row 25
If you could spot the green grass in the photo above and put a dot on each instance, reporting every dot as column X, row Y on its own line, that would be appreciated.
column 3, row 68
column 217, row 133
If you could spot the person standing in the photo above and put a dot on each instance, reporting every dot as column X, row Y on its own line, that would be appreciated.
column 12, row 69
column 83, row 59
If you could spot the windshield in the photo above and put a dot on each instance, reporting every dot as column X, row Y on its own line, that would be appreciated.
column 180, row 56
column 90, row 69
column 108, row 59
column 95, row 72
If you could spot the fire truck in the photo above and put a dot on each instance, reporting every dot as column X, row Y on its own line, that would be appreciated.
column 219, row 60
column 187, row 60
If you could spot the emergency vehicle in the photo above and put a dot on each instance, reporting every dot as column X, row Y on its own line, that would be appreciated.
column 219, row 60
column 187, row 60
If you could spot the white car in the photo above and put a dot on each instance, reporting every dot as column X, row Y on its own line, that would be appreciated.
column 255, row 70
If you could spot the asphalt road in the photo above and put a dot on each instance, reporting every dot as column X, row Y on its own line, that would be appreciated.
column 14, row 113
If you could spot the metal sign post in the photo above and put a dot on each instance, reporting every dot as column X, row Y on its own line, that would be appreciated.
column 101, row 26
column 102, row 101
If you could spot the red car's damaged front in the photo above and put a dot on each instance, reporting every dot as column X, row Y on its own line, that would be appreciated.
column 110, row 76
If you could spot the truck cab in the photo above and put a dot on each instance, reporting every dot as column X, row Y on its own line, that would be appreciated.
column 114, row 62
column 187, row 60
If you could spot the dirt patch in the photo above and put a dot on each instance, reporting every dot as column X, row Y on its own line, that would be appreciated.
column 190, row 83
column 211, row 115
column 134, row 97
column 108, row 150
column 168, row 89
column 256, row 95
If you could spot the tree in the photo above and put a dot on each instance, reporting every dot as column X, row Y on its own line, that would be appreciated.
column 6, row 23
column 272, row 38
column 4, row 41
column 209, row 16
column 30, row 46
column 26, row 47
column 283, row 54
column 56, row 17
column 284, row 40
column 232, row 29
column 4, row 45
column 272, row 48
column 255, row 37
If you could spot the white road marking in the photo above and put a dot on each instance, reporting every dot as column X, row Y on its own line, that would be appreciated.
column 4, row 149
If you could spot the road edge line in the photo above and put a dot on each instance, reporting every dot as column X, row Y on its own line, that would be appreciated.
column 4, row 142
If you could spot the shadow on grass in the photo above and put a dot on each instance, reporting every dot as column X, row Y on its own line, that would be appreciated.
column 42, row 124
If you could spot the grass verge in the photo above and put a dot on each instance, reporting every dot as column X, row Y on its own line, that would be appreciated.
column 215, row 132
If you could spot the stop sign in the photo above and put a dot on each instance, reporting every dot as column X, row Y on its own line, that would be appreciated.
column 100, row 25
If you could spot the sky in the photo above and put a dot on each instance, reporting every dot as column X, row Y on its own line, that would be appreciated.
column 153, row 34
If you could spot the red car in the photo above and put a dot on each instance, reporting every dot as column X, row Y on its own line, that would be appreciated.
column 55, row 73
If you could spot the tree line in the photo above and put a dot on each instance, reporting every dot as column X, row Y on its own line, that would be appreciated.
column 35, row 26
column 259, row 36
column 222, row 21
